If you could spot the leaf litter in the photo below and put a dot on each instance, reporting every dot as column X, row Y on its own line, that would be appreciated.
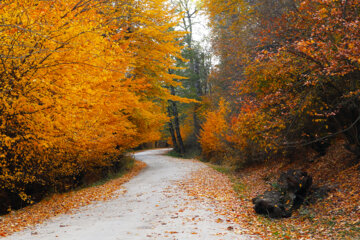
column 336, row 217
column 65, row 203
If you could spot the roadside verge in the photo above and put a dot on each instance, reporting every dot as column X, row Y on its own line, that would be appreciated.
column 65, row 203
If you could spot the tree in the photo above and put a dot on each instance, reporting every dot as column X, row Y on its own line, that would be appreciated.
column 291, row 65
column 194, row 70
column 82, row 82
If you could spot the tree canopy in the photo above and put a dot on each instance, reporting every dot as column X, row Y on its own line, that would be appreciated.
column 81, row 82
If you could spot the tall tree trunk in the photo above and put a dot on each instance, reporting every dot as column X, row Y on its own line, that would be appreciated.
column 177, row 123
column 199, row 94
column 171, row 130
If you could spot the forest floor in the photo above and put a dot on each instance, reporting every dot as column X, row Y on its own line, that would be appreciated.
column 65, row 203
column 335, row 217
column 156, row 204
column 185, row 199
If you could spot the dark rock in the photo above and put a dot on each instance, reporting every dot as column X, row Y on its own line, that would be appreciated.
column 293, row 187
column 271, row 205
column 295, row 181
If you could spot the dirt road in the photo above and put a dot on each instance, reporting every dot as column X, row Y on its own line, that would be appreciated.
column 153, row 207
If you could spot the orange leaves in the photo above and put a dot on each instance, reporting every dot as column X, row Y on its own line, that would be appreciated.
column 215, row 188
column 214, row 130
column 63, row 203
column 286, row 70
column 331, row 33
column 242, row 131
column 77, row 87
column 333, row 218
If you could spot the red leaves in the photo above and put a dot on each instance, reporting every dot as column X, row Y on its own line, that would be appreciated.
column 301, row 67
column 334, row 218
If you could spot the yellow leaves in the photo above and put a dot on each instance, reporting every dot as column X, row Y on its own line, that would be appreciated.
column 214, row 130
column 323, row 13
column 76, row 89
column 23, row 196
column 175, row 98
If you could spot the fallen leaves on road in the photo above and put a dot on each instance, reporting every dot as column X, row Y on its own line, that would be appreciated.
column 64, row 203
column 216, row 189
column 337, row 217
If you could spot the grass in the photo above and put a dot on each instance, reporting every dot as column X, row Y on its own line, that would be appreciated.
column 239, row 187
column 189, row 153
column 222, row 169
column 329, row 218
column 129, row 163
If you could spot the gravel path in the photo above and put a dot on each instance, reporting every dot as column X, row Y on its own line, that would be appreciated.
column 153, row 207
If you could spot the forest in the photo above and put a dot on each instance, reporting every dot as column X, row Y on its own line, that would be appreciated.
column 80, row 86
column 275, row 85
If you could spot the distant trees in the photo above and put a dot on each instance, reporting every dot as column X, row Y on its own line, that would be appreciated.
column 289, row 71
column 194, row 67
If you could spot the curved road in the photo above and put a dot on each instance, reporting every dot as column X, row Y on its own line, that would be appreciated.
column 153, row 207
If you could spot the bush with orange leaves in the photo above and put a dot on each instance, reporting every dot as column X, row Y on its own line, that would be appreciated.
column 213, row 134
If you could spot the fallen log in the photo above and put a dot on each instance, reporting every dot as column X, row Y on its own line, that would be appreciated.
column 271, row 204
column 293, row 187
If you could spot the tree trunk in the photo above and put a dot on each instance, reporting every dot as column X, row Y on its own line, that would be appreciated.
column 171, row 130
column 199, row 94
column 177, row 123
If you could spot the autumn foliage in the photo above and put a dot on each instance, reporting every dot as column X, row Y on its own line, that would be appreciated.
column 214, row 132
column 290, row 72
column 81, row 82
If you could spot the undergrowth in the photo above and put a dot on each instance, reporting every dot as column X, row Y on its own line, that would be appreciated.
column 189, row 153
column 128, row 164
column 335, row 217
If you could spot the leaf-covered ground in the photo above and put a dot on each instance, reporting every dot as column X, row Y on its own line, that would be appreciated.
column 154, row 207
column 65, row 203
column 336, row 217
